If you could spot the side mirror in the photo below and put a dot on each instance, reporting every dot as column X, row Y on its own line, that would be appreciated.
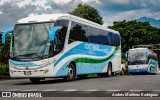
column 4, row 36
column 126, row 55
column 51, row 37
column 52, row 32
column 147, row 54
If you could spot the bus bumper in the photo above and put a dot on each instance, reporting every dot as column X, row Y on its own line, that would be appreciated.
column 142, row 70
column 41, row 72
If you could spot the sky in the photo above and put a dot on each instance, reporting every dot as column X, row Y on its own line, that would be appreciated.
column 110, row 10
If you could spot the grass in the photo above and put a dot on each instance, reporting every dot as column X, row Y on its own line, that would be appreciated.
column 92, row 75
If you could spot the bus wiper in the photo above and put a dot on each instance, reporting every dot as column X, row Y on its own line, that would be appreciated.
column 33, row 55
column 16, row 58
column 39, row 56
column 26, row 56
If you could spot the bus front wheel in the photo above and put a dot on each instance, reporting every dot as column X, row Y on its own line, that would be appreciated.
column 71, row 73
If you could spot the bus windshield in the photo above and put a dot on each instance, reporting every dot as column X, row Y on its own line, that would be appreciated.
column 137, row 56
column 30, row 41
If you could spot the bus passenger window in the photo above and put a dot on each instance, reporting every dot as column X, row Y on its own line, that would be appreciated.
column 75, row 33
column 79, row 32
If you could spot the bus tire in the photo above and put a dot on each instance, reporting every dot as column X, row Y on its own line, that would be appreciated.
column 71, row 73
column 109, row 70
column 35, row 80
column 122, row 72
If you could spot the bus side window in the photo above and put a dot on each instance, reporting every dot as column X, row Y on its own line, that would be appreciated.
column 95, row 35
column 110, row 38
column 118, row 40
column 75, row 32
column 78, row 32
column 114, row 39
column 104, row 37
column 85, row 33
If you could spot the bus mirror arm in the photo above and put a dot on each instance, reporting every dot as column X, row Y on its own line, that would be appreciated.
column 53, row 31
column 4, row 36
column 126, row 55
column 52, row 49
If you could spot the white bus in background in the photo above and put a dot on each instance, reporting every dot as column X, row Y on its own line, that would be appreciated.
column 142, row 60
column 62, row 45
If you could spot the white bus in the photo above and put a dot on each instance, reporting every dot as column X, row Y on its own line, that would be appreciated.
column 142, row 60
column 62, row 45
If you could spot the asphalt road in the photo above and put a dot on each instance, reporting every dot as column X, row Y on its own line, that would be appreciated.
column 116, row 83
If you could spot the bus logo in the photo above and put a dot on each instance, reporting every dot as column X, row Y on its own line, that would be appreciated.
column 6, row 94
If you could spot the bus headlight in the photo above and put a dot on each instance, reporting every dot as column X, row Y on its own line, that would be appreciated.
column 44, row 65
column 47, row 64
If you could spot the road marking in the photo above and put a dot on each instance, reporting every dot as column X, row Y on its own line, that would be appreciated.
column 13, row 90
column 135, row 90
column 92, row 90
column 50, row 90
column 113, row 90
column 31, row 90
column 155, row 90
column 71, row 90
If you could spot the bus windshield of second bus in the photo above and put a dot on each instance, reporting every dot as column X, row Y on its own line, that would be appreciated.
column 137, row 56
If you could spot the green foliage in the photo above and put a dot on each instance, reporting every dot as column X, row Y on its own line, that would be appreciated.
column 4, row 70
column 136, row 33
column 87, row 12
column 92, row 75
column 4, row 51
column 123, row 61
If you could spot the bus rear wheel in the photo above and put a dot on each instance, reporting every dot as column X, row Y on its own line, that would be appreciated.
column 71, row 73
column 35, row 80
column 109, row 70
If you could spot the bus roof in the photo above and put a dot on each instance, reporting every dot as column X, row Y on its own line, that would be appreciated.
column 53, row 17
column 143, row 49
column 138, row 48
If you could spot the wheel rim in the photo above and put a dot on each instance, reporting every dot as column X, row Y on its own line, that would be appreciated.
column 70, row 72
column 109, row 71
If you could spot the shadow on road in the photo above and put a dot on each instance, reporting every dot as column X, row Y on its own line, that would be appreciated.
column 58, row 80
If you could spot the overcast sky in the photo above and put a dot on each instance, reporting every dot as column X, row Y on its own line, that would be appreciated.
column 110, row 10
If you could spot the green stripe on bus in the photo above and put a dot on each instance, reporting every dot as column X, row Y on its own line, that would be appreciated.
column 89, row 60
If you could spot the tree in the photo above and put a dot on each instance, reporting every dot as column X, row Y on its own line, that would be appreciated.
column 87, row 12
column 135, row 33
column 4, row 50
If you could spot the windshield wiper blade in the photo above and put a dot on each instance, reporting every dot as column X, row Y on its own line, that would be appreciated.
column 16, row 58
column 39, row 56
column 28, row 56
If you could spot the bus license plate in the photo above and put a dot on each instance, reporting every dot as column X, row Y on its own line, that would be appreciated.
column 27, row 73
